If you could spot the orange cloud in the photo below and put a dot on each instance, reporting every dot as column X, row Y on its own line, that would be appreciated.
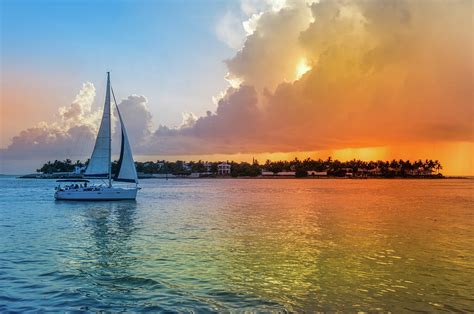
column 381, row 75
column 396, row 75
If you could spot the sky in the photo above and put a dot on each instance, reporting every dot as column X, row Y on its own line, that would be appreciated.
column 234, row 80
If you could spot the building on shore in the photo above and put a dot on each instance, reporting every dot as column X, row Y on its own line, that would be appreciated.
column 54, row 175
column 375, row 172
column 223, row 169
column 79, row 170
column 421, row 171
column 362, row 172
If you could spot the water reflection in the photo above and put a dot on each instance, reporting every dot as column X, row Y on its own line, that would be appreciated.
column 111, row 228
column 102, row 255
column 262, row 245
column 271, row 254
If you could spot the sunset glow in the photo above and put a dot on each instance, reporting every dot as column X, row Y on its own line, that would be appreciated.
column 237, row 156
column 302, row 68
column 278, row 78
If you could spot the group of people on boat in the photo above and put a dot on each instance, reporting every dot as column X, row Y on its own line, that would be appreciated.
column 77, row 187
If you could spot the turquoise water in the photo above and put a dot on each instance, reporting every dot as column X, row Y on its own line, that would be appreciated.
column 264, row 245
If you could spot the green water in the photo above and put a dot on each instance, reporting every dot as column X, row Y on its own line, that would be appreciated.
column 263, row 245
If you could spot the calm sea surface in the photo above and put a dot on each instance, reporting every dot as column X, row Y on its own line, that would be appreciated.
column 217, row 245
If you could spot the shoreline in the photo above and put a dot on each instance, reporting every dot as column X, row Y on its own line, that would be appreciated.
column 262, row 177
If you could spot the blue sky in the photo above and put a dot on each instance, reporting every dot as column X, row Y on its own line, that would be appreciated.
column 172, row 52
column 165, row 50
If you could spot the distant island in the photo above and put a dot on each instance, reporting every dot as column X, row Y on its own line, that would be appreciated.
column 307, row 168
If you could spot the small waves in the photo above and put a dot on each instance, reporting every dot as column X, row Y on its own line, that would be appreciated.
column 256, row 245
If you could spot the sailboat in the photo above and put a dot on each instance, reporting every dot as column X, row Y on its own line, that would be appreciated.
column 100, row 165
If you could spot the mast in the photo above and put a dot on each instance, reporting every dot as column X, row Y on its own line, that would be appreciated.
column 107, row 101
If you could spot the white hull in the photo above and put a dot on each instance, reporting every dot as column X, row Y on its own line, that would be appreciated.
column 102, row 194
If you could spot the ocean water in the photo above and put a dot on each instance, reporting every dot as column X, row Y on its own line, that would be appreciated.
column 224, row 245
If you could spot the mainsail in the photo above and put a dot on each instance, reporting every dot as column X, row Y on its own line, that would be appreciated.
column 126, row 165
column 99, row 164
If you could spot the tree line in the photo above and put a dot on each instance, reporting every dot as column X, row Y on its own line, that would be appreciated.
column 401, row 168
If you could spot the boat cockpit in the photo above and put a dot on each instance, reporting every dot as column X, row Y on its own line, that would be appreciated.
column 76, row 185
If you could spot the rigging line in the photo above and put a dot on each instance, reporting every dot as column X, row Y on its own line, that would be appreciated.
column 120, row 123
column 119, row 115
column 116, row 107
column 115, row 101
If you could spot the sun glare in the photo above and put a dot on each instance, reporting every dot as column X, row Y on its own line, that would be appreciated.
column 302, row 68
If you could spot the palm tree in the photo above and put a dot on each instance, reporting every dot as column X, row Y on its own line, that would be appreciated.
column 437, row 166
column 268, row 164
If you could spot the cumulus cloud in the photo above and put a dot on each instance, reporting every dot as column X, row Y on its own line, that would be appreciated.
column 137, row 118
column 73, row 135
column 218, row 130
column 373, row 73
column 271, row 54
column 80, row 110
column 76, row 121
column 189, row 120
column 379, row 73
column 229, row 30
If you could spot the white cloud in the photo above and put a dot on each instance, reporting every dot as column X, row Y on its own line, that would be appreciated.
column 80, row 112
column 137, row 118
column 73, row 135
column 372, row 76
column 189, row 120
column 250, row 25
column 229, row 30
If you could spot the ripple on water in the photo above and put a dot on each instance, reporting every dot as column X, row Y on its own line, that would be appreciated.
column 262, row 245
